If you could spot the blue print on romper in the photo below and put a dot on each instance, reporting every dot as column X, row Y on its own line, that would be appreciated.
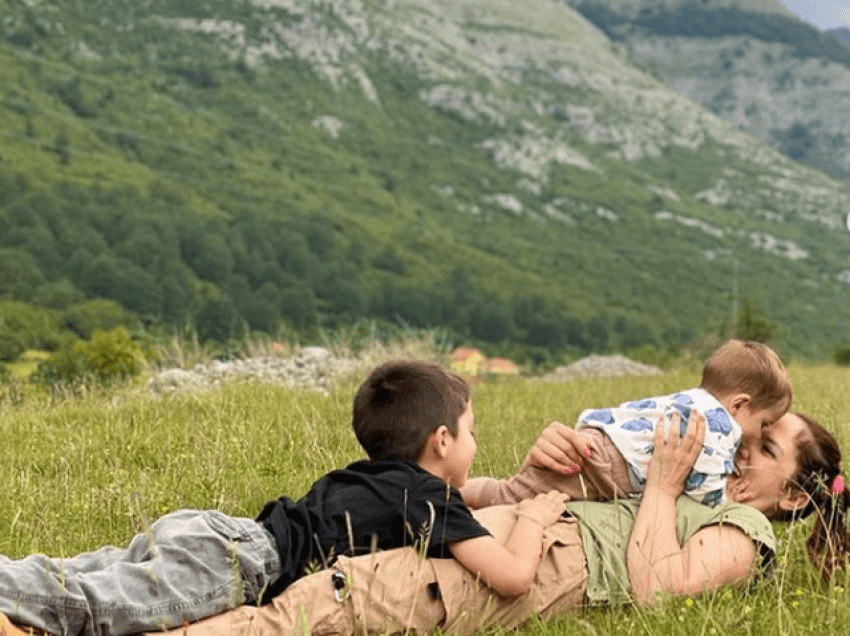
column 712, row 498
column 683, row 410
column 683, row 398
column 728, row 467
column 695, row 480
column 603, row 416
column 708, row 451
column 642, row 405
column 718, row 422
column 640, row 424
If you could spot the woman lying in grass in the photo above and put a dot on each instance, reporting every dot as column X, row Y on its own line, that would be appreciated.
column 603, row 553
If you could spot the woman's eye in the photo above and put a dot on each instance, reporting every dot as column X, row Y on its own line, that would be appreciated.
column 767, row 450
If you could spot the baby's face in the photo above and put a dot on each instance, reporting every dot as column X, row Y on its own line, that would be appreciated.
column 752, row 421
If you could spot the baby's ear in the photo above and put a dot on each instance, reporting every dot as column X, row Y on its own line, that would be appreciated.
column 739, row 401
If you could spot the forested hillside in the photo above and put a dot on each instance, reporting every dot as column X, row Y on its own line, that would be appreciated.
column 288, row 166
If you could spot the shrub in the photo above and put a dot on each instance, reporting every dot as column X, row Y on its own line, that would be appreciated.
column 842, row 356
column 107, row 357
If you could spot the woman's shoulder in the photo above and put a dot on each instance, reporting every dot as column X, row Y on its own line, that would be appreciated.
column 694, row 516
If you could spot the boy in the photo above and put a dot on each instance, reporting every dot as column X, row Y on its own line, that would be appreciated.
column 414, row 420
column 744, row 387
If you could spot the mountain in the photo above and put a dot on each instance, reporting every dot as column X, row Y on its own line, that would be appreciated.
column 505, row 171
column 843, row 35
column 749, row 62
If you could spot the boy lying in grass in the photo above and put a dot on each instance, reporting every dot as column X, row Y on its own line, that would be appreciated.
column 416, row 424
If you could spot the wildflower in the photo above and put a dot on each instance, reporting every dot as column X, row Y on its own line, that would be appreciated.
column 689, row 602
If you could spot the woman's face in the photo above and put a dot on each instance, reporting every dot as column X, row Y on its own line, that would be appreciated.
column 766, row 464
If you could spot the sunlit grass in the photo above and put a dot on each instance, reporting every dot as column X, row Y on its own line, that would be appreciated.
column 80, row 472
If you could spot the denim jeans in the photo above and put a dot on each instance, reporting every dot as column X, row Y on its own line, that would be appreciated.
column 188, row 565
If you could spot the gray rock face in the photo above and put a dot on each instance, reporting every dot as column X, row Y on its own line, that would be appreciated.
column 601, row 367
column 780, row 81
column 311, row 367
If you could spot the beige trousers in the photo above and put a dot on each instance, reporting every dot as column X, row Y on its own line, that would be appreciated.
column 397, row 591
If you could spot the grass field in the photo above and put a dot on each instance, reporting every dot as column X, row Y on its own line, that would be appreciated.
column 81, row 472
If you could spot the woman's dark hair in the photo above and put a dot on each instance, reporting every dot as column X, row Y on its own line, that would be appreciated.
column 819, row 476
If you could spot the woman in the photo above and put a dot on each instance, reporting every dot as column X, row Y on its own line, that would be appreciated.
column 617, row 552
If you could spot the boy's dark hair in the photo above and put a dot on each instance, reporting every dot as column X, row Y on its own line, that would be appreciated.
column 748, row 367
column 401, row 403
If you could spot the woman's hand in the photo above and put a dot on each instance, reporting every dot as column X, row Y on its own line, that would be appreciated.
column 673, row 459
column 559, row 448
column 715, row 555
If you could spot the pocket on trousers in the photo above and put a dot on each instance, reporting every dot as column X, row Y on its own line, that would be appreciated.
column 229, row 527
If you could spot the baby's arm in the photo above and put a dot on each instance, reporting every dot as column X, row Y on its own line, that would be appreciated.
column 553, row 463
column 471, row 491
column 510, row 569
column 559, row 448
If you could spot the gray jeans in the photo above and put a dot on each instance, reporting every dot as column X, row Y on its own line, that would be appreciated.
column 188, row 565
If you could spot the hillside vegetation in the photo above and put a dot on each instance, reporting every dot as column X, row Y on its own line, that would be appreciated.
column 289, row 166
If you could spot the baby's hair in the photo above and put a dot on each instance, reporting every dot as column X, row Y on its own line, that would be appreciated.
column 401, row 403
column 748, row 367
column 819, row 476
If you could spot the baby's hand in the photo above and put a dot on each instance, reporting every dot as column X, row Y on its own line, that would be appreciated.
column 544, row 509
column 559, row 448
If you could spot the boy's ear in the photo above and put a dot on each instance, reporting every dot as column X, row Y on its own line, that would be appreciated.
column 739, row 401
column 439, row 441
column 795, row 500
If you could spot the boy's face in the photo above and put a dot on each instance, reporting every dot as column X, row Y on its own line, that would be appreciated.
column 462, row 451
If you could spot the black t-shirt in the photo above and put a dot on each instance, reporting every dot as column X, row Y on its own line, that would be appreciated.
column 378, row 504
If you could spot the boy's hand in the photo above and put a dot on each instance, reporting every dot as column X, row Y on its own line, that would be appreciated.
column 545, row 509
column 559, row 448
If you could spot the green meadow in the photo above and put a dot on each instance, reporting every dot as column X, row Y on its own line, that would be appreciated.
column 79, row 472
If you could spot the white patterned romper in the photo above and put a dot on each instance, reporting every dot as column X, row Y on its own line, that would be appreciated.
column 631, row 427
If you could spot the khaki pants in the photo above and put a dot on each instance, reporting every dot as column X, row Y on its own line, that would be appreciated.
column 605, row 476
column 397, row 591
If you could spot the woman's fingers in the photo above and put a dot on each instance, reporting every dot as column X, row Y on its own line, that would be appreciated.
column 674, row 456
column 695, row 435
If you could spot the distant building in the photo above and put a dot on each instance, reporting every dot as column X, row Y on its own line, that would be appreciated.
column 466, row 360
column 498, row 366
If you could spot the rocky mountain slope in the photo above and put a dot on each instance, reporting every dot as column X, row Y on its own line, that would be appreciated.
column 750, row 62
column 504, row 168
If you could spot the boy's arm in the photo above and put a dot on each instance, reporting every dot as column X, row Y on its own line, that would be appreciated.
column 510, row 569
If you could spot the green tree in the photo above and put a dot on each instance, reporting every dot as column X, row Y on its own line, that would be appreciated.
column 20, row 275
column 753, row 325
column 99, row 314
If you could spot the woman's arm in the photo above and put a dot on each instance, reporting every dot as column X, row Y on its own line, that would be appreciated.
column 712, row 557
column 509, row 569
